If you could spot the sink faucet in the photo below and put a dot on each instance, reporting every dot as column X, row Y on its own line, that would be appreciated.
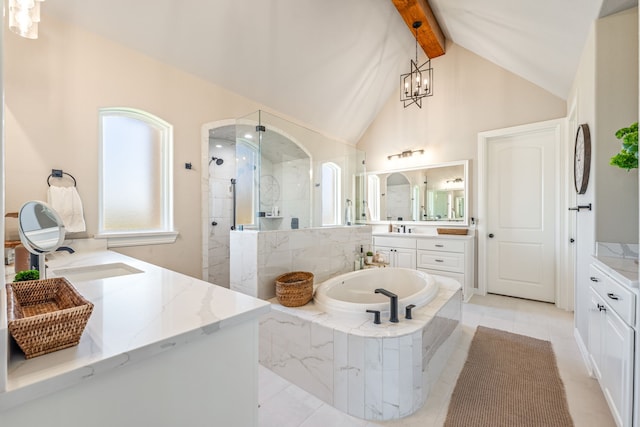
column 393, row 317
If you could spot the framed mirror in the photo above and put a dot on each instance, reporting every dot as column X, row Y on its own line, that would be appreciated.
column 433, row 194
column 40, row 227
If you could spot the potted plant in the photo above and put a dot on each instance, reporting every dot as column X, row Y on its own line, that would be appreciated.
column 627, row 158
column 25, row 275
column 369, row 257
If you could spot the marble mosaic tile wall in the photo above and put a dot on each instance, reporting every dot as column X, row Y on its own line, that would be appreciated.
column 373, row 375
column 259, row 257
column 220, row 211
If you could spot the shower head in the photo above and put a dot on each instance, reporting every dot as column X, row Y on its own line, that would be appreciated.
column 218, row 160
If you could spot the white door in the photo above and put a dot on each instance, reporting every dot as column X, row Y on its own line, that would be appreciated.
column 521, row 213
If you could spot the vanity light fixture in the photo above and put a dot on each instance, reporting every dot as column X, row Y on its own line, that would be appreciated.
column 417, row 83
column 24, row 16
column 407, row 153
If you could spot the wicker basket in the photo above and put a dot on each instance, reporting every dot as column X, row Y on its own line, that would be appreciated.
column 46, row 315
column 294, row 289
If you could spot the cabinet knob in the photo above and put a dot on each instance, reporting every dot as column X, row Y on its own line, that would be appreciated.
column 594, row 279
column 491, row 235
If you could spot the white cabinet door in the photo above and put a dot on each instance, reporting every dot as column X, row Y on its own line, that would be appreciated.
column 596, row 315
column 617, row 367
column 405, row 258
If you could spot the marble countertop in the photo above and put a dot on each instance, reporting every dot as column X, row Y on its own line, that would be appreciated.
column 618, row 260
column 424, row 235
column 624, row 270
column 135, row 316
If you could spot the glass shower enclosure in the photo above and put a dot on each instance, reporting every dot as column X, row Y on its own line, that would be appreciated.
column 279, row 166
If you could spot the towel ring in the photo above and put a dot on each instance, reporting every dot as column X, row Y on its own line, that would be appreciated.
column 58, row 173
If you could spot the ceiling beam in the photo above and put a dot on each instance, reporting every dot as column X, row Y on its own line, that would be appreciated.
column 430, row 36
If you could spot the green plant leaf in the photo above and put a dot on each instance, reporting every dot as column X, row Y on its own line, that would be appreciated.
column 25, row 275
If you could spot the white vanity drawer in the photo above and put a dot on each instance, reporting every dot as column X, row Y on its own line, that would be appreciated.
column 618, row 297
column 395, row 242
column 445, row 261
column 446, row 245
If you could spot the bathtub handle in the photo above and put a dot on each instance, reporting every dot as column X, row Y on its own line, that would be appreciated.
column 407, row 311
column 376, row 316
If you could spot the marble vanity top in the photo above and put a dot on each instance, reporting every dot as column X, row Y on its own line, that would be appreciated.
column 422, row 235
column 135, row 316
column 618, row 260
column 624, row 270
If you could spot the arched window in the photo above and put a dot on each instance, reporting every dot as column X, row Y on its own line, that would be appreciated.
column 331, row 185
column 136, row 188
column 373, row 196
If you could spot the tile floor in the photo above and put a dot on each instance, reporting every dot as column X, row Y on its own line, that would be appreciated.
column 283, row 404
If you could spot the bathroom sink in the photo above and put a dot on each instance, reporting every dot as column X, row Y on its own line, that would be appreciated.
column 93, row 272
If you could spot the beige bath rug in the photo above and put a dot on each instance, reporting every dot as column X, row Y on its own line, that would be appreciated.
column 508, row 380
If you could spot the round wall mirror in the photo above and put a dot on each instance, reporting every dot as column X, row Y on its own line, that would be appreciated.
column 40, row 227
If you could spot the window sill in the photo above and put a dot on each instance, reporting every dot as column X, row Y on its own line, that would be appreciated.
column 119, row 240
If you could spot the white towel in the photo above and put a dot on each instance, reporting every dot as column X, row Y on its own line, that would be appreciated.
column 66, row 201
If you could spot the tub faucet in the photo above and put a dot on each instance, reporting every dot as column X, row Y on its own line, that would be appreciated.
column 393, row 317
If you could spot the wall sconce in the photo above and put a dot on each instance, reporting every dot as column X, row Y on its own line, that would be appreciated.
column 407, row 153
column 454, row 184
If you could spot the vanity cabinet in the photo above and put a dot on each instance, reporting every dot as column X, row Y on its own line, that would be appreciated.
column 445, row 256
column 397, row 251
column 611, row 336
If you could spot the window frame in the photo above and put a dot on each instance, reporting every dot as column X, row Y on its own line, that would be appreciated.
column 167, row 233
column 337, row 192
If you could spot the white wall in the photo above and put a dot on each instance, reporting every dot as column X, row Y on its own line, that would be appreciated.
column 53, row 89
column 471, row 95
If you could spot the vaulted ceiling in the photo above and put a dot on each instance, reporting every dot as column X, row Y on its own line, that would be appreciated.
column 333, row 64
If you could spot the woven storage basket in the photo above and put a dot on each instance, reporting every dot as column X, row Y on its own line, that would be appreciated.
column 294, row 289
column 46, row 315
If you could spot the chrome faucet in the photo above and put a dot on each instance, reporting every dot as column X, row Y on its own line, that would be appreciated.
column 393, row 317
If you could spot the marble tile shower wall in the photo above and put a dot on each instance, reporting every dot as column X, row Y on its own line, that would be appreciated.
column 398, row 204
column 258, row 258
column 292, row 180
column 220, row 211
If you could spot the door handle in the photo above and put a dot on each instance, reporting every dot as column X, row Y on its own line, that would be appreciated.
column 491, row 235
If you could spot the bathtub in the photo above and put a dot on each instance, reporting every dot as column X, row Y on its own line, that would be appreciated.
column 353, row 293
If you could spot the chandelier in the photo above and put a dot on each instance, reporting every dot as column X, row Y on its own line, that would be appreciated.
column 24, row 16
column 417, row 83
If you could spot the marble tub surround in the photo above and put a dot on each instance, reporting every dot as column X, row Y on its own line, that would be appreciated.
column 259, row 257
column 135, row 318
column 374, row 372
